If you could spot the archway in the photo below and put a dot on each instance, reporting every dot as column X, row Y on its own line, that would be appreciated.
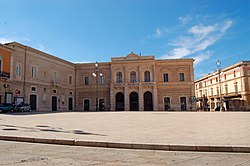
column 133, row 101
column 119, row 101
column 148, row 101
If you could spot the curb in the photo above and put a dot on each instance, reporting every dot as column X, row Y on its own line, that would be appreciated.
column 72, row 142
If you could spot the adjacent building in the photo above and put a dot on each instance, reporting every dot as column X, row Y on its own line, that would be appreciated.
column 230, row 86
column 129, row 83
column 43, row 80
column 6, row 70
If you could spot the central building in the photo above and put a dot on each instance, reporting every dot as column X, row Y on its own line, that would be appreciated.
column 136, row 83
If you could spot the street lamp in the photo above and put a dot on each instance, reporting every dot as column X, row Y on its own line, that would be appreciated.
column 218, row 64
column 96, row 74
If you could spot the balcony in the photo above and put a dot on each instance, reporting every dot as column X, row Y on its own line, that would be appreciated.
column 55, row 83
column 4, row 75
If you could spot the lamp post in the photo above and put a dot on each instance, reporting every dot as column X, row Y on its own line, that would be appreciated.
column 218, row 64
column 96, row 74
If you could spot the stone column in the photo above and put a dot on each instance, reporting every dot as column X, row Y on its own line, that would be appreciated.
column 112, row 99
column 155, row 97
column 126, row 98
column 141, row 105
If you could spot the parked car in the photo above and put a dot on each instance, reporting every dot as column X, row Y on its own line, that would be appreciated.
column 6, row 108
column 218, row 108
column 23, row 107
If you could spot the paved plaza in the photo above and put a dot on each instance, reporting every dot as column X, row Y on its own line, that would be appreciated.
column 30, row 154
column 167, row 128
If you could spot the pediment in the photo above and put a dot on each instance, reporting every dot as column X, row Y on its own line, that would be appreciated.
column 132, row 55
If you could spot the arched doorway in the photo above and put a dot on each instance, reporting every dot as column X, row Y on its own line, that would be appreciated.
column 133, row 101
column 148, row 101
column 119, row 104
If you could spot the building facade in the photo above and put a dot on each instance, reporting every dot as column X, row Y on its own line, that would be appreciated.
column 44, row 81
column 130, row 83
column 6, row 94
column 230, row 86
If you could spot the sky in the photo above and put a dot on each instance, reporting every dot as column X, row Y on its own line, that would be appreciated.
column 97, row 30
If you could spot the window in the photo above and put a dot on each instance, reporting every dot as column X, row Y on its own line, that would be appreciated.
column 234, row 74
column 53, row 76
column 216, row 79
column 101, row 80
column 226, row 89
column 133, row 76
column 86, row 80
column 119, row 77
column 18, row 70
column 166, row 77
column 236, row 87
column 205, row 83
column 33, row 88
column 70, row 80
column 218, row 91
column 147, row 76
column 212, row 92
column 182, row 77
column 33, row 72
column 54, row 91
column 200, row 85
column 225, row 76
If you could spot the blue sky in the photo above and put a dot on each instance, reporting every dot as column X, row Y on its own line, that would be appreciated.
column 96, row 30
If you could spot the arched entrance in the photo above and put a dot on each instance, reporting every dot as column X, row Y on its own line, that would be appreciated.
column 119, row 101
column 148, row 101
column 133, row 101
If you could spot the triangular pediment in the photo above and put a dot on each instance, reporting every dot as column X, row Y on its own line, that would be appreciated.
column 132, row 55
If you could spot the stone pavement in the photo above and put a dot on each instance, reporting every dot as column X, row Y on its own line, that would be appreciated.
column 30, row 154
column 188, row 130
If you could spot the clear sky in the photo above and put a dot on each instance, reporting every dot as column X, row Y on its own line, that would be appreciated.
column 96, row 30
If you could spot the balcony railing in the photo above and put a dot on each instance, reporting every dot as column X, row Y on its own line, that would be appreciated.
column 4, row 75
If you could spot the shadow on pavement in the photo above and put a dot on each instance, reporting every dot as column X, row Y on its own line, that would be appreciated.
column 45, row 128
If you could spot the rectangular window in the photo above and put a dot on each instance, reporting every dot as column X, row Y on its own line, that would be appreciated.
column 236, row 87
column 182, row 77
column 86, row 80
column 33, row 72
column 70, row 80
column 226, row 89
column 218, row 91
column 212, row 92
column 166, row 77
column 101, row 80
column 53, row 76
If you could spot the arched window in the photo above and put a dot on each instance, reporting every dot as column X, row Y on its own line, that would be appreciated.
column 133, row 76
column 147, row 76
column 119, row 77
column 18, row 70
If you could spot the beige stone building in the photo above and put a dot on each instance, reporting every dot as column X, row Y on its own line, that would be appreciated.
column 231, row 84
column 136, row 83
column 130, row 83
column 44, row 81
